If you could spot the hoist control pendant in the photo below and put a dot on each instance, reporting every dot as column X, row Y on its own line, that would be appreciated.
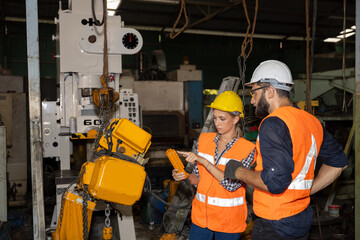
column 105, row 97
column 176, row 161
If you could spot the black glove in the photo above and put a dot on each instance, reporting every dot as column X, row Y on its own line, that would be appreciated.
column 231, row 167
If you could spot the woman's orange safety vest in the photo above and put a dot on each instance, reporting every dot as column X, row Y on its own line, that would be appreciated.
column 306, row 135
column 214, row 207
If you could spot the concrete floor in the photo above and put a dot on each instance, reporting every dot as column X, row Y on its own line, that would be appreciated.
column 25, row 231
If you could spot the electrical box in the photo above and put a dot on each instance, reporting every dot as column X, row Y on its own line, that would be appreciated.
column 194, row 98
column 160, row 95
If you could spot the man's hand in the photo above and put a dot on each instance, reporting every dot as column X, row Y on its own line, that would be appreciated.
column 231, row 167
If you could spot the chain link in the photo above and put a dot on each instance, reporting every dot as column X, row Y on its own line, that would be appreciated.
column 85, row 213
column 107, row 214
column 242, row 69
column 104, row 117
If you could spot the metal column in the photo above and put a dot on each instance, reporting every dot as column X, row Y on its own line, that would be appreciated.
column 357, row 122
column 35, row 119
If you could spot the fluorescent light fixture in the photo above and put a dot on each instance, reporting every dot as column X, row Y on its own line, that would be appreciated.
column 353, row 27
column 346, row 35
column 112, row 5
column 334, row 40
column 347, row 31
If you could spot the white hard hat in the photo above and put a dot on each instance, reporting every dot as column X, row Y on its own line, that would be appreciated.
column 274, row 72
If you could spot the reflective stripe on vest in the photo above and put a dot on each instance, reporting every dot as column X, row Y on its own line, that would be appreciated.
column 299, row 183
column 221, row 202
column 200, row 197
column 222, row 161
column 206, row 156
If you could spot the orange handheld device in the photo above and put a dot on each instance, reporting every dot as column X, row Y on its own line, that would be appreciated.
column 175, row 161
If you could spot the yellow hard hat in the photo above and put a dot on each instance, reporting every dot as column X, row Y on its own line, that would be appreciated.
column 228, row 101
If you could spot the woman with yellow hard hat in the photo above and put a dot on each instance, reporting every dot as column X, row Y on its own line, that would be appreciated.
column 219, row 208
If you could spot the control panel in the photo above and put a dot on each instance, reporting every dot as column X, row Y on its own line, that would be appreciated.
column 129, row 105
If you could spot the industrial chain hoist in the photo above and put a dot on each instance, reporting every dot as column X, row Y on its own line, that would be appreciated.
column 117, row 175
column 115, row 172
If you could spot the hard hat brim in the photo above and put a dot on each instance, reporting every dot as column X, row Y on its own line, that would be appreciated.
column 249, row 84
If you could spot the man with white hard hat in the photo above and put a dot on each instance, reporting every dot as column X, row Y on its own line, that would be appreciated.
column 289, row 142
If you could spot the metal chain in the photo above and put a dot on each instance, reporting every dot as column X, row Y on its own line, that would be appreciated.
column 104, row 111
column 242, row 69
column 107, row 214
column 104, row 117
column 84, row 213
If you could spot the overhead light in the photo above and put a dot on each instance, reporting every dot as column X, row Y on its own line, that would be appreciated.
column 353, row 27
column 332, row 40
column 347, row 31
column 112, row 5
column 346, row 35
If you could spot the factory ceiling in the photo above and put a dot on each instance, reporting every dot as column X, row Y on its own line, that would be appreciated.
column 281, row 19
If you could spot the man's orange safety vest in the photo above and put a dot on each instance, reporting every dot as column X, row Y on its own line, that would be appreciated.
column 306, row 135
column 214, row 207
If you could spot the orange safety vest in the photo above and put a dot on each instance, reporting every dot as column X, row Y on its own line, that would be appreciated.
column 214, row 207
column 306, row 135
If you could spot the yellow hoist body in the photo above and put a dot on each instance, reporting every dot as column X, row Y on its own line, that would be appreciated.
column 116, row 176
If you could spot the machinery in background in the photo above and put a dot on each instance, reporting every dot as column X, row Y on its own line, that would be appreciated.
column 329, row 89
column 13, row 114
column 80, row 41
column 75, row 116
column 171, row 105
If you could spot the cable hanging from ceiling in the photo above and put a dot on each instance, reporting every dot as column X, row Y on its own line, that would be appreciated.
column 344, row 108
column 182, row 9
column 248, row 41
column 308, row 85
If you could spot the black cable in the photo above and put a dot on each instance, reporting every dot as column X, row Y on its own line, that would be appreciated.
column 97, row 22
column 115, row 209
column 121, row 156
column 187, row 205
column 148, row 188
column 148, row 183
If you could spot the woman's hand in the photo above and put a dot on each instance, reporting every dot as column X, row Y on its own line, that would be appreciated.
column 178, row 176
column 192, row 157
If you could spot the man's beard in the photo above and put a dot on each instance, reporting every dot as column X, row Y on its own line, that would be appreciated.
column 262, row 108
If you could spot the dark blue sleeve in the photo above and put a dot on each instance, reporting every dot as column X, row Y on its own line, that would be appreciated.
column 331, row 152
column 277, row 155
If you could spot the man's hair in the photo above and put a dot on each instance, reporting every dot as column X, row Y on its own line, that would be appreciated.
column 281, row 93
